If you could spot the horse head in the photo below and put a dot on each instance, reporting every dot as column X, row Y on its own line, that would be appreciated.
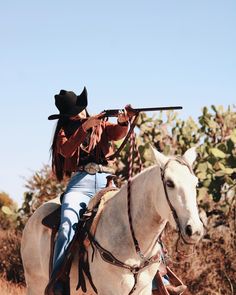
column 179, row 194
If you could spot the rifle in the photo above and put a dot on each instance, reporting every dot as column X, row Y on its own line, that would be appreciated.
column 115, row 112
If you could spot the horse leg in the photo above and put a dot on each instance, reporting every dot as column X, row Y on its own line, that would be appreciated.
column 35, row 285
column 36, row 278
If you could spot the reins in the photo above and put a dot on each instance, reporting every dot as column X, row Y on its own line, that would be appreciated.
column 108, row 256
column 131, row 162
column 155, row 258
column 133, row 122
column 105, row 254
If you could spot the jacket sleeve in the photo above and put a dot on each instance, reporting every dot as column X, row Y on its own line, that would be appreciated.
column 68, row 146
column 115, row 131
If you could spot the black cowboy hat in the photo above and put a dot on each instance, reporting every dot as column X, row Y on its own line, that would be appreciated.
column 69, row 104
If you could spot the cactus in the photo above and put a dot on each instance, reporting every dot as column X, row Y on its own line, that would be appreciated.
column 215, row 136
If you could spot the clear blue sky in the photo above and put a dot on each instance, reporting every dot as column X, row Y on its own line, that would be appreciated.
column 147, row 53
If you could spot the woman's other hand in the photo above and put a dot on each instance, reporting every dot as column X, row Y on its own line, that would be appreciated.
column 90, row 123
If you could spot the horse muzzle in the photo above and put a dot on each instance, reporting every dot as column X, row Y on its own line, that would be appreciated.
column 191, row 234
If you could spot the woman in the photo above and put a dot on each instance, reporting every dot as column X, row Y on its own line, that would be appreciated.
column 80, row 147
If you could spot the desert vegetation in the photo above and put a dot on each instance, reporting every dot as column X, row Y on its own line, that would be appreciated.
column 207, row 269
column 8, row 288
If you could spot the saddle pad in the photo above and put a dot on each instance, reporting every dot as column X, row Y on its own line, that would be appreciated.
column 102, row 202
column 105, row 194
column 52, row 220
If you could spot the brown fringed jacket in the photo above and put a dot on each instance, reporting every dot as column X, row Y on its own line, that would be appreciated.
column 83, row 146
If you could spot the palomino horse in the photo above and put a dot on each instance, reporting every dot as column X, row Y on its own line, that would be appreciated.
column 161, row 193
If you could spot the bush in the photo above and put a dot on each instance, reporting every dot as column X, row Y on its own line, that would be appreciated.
column 41, row 187
column 8, row 211
column 10, row 260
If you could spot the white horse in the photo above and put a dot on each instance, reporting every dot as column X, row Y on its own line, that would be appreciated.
column 161, row 193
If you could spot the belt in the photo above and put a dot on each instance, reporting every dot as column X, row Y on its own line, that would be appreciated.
column 93, row 168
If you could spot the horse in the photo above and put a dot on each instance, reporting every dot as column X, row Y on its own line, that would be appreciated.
column 164, row 192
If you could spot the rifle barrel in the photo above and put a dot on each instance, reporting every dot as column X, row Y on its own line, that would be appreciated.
column 158, row 109
column 114, row 112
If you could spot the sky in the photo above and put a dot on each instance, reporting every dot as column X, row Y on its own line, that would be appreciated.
column 146, row 53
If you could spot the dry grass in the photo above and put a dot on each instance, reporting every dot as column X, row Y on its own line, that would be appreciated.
column 211, row 268
column 7, row 288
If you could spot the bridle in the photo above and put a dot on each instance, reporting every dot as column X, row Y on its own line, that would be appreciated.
column 182, row 161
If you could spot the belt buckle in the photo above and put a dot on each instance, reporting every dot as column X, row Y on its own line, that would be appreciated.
column 91, row 168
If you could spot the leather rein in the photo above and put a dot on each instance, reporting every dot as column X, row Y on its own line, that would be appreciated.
column 106, row 255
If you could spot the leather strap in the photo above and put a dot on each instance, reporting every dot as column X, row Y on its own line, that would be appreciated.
column 93, row 168
column 110, row 258
column 132, row 125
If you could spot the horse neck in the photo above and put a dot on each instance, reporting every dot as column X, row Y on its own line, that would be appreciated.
column 146, row 202
column 114, row 227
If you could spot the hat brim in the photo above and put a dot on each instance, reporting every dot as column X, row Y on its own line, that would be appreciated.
column 54, row 117
column 58, row 116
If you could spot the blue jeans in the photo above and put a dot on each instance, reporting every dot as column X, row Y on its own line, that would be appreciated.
column 165, row 280
column 81, row 188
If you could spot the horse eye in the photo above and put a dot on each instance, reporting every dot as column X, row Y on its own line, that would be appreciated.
column 170, row 183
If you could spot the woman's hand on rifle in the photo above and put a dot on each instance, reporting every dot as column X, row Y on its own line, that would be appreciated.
column 130, row 111
column 126, row 114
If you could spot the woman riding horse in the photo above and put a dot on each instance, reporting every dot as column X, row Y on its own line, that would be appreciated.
column 80, row 145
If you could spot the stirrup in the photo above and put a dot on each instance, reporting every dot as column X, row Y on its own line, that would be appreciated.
column 163, row 290
column 50, row 288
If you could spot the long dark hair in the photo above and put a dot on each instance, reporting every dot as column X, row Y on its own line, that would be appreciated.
column 58, row 160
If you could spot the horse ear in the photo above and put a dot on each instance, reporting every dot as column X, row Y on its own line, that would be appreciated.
column 157, row 157
column 190, row 155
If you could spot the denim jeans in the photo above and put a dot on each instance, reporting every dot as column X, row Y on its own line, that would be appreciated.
column 80, row 189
